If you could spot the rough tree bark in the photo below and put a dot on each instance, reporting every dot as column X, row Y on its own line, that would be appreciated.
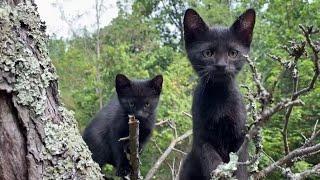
column 39, row 138
column 134, row 147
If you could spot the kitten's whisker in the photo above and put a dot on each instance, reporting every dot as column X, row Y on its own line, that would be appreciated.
column 198, row 65
column 203, row 72
column 204, row 75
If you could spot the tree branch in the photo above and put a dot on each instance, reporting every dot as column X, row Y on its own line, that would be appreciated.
column 160, row 123
column 295, row 79
column 291, row 156
column 166, row 153
column 134, row 147
column 268, row 112
column 307, row 31
column 306, row 173
column 264, row 95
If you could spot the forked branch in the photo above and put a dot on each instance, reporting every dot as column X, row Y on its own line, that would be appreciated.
column 267, row 110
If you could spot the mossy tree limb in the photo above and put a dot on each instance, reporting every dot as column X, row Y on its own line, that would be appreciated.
column 39, row 138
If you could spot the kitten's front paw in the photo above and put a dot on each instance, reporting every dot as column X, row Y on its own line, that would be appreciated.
column 123, row 171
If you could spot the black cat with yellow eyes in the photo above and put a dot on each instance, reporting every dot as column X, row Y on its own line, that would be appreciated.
column 134, row 97
column 218, row 112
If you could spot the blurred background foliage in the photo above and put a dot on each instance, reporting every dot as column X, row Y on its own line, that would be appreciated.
column 146, row 39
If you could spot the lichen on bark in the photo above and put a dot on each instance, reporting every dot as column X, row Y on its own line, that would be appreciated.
column 63, row 140
column 27, row 73
column 25, row 56
column 226, row 170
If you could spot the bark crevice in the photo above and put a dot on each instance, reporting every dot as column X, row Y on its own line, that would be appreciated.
column 13, row 151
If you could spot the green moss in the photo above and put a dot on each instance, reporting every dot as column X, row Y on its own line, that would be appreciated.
column 26, row 67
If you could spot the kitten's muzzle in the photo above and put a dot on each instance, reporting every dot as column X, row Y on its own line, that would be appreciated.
column 141, row 114
column 220, row 68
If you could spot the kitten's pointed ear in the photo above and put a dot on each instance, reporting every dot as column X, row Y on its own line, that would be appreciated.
column 193, row 25
column 156, row 83
column 122, row 82
column 243, row 26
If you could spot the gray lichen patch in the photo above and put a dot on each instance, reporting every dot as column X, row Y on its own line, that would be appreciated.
column 226, row 170
column 24, row 55
column 67, row 151
column 26, row 69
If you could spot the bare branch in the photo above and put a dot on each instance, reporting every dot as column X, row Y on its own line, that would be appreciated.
column 310, row 87
column 313, row 137
column 307, row 31
column 187, row 114
column 264, row 95
column 306, row 173
column 134, row 147
column 178, row 150
column 277, row 58
column 160, row 123
column 166, row 153
column 295, row 79
column 291, row 156
column 267, row 113
column 161, row 152
column 315, row 128
column 124, row 138
column 296, row 50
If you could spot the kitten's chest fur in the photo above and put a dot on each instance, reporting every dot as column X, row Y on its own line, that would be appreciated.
column 219, row 117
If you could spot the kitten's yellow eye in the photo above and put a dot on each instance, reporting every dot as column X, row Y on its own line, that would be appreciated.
column 233, row 53
column 207, row 53
column 146, row 104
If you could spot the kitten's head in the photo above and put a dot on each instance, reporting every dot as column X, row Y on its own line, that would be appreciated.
column 139, row 97
column 218, row 53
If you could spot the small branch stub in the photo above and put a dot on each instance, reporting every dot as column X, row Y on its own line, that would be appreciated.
column 134, row 147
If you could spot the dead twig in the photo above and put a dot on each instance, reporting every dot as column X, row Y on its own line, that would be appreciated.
column 124, row 139
column 291, row 156
column 166, row 153
column 163, row 122
column 187, row 114
column 306, row 173
column 134, row 147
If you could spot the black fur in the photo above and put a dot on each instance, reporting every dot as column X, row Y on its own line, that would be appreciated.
column 219, row 116
column 139, row 97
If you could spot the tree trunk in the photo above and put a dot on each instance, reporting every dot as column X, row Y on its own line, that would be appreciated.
column 39, row 138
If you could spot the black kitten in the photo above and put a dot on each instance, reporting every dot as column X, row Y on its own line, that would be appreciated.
column 139, row 97
column 219, row 116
